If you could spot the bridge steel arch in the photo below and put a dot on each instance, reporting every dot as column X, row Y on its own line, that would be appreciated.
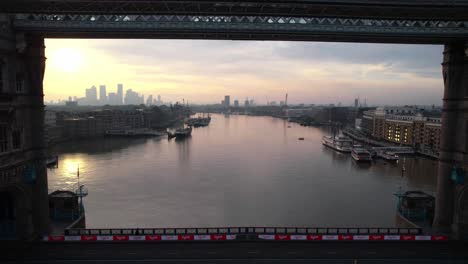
column 25, row 23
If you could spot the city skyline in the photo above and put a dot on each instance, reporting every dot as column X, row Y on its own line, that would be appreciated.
column 91, row 97
column 203, row 71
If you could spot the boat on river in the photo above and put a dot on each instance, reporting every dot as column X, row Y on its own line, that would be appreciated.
column 361, row 154
column 340, row 143
column 200, row 121
column 183, row 132
column 387, row 155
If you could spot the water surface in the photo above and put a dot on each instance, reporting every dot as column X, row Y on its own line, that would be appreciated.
column 238, row 171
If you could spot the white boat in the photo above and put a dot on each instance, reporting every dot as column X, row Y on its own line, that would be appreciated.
column 341, row 143
column 387, row 155
column 360, row 154
column 400, row 151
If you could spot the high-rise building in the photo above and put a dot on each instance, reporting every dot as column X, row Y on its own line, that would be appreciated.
column 133, row 98
column 356, row 102
column 102, row 95
column 91, row 96
column 227, row 100
column 149, row 100
column 159, row 100
column 113, row 99
column 236, row 103
column 246, row 103
column 120, row 93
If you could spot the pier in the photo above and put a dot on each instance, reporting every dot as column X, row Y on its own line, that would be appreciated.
column 395, row 150
column 387, row 146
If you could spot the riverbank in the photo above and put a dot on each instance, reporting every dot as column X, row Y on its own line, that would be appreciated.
column 153, row 131
column 358, row 136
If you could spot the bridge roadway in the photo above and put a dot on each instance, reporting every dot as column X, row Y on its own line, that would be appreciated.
column 235, row 252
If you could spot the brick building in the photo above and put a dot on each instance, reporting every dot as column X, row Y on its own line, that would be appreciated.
column 403, row 126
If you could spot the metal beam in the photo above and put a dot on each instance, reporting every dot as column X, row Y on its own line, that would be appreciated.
column 415, row 9
column 242, row 27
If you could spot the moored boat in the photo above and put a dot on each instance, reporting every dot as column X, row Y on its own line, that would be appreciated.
column 183, row 132
column 170, row 133
column 341, row 143
column 388, row 155
column 200, row 121
column 360, row 154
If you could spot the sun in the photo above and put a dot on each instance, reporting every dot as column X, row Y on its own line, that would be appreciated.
column 67, row 59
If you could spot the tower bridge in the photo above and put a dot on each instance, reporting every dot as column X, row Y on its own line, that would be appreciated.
column 25, row 23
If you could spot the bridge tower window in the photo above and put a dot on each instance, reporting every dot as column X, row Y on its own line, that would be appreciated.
column 7, row 216
column 19, row 83
column 16, row 136
column 465, row 81
column 466, row 135
column 3, row 138
column 2, row 77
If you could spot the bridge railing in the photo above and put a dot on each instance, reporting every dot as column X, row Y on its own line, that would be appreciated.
column 246, row 231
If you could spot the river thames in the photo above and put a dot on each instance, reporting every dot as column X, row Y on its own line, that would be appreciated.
column 238, row 171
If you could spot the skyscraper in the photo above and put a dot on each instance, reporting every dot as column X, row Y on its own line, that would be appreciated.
column 149, row 100
column 227, row 100
column 112, row 99
column 133, row 98
column 102, row 95
column 91, row 96
column 236, row 103
column 120, row 93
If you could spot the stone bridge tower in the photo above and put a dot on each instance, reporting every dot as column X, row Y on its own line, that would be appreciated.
column 23, row 177
column 452, row 198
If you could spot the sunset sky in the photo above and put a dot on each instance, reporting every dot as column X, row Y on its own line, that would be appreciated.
column 203, row 71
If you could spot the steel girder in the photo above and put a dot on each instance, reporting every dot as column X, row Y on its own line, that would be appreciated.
column 242, row 27
column 396, row 9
